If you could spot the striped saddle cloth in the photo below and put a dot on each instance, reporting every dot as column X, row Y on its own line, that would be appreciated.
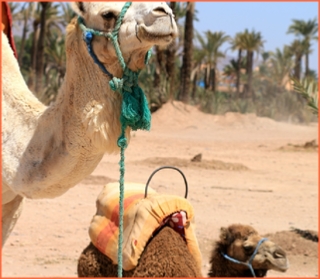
column 142, row 218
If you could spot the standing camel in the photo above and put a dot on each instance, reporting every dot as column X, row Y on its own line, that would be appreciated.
column 47, row 150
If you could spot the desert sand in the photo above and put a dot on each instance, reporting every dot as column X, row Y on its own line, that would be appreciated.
column 253, row 171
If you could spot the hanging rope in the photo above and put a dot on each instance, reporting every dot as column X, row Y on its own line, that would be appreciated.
column 135, row 111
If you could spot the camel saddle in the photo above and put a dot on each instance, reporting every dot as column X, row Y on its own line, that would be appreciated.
column 142, row 218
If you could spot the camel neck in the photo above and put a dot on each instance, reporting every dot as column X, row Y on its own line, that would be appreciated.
column 59, row 145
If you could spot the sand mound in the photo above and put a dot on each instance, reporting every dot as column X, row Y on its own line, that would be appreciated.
column 308, row 146
column 294, row 244
column 177, row 115
column 205, row 164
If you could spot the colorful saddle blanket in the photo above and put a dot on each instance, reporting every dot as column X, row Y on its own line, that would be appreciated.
column 142, row 218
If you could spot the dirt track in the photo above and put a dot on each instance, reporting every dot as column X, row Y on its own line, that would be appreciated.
column 253, row 170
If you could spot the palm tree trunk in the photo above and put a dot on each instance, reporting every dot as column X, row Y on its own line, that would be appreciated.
column 170, row 63
column 26, row 16
column 238, row 74
column 35, row 38
column 206, row 77
column 23, row 40
column 213, row 79
column 187, row 55
column 249, row 73
column 40, row 48
column 297, row 67
column 307, row 65
column 158, row 66
column 194, row 86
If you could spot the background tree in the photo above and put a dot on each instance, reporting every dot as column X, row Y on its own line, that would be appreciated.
column 173, row 73
column 40, row 48
column 308, row 30
column 187, row 54
column 281, row 66
column 252, row 42
column 237, row 43
column 210, row 46
column 297, row 48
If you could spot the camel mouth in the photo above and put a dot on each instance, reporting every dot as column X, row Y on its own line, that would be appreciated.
column 281, row 265
column 278, row 260
column 275, row 261
column 149, row 34
column 260, row 272
column 272, row 257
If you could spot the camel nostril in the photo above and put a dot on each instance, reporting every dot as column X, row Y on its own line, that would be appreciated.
column 279, row 254
column 160, row 11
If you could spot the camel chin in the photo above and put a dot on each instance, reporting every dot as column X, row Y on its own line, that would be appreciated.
column 149, row 34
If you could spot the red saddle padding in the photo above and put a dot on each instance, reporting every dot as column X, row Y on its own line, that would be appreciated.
column 7, row 25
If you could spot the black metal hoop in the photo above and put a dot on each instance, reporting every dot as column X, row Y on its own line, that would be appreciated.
column 167, row 167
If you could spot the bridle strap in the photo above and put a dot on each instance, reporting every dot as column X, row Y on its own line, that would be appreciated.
column 249, row 263
column 88, row 34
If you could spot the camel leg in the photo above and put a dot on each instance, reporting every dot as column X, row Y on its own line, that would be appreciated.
column 10, row 214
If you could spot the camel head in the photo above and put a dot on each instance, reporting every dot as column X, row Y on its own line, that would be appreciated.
column 239, row 243
column 143, row 25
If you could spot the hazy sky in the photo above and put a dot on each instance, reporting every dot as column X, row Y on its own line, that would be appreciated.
column 272, row 19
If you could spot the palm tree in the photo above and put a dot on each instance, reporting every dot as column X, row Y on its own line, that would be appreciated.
column 297, row 48
column 40, row 47
column 46, row 20
column 308, row 30
column 210, row 46
column 22, row 13
column 171, row 57
column 281, row 66
column 237, row 44
column 233, row 70
column 198, row 57
column 187, row 54
column 308, row 89
column 252, row 42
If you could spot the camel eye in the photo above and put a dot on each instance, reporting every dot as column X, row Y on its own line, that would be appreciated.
column 109, row 16
column 248, row 248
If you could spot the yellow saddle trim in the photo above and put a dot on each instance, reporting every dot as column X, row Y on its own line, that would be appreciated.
column 142, row 216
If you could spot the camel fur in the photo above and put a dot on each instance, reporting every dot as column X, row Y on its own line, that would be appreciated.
column 239, row 242
column 47, row 150
column 166, row 255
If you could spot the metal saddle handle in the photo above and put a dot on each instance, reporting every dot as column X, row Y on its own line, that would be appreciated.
column 166, row 167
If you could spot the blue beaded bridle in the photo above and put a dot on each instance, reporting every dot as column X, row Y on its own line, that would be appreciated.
column 249, row 263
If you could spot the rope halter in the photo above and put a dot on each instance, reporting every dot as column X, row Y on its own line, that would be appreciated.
column 249, row 262
column 135, row 111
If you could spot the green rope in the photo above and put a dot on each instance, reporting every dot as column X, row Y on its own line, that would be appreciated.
column 135, row 111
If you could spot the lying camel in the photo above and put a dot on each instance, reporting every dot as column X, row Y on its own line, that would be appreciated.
column 241, row 244
column 48, row 150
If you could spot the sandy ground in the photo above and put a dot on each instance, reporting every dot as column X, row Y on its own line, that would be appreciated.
column 252, row 172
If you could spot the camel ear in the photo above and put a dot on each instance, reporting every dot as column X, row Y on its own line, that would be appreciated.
column 225, row 236
column 79, row 8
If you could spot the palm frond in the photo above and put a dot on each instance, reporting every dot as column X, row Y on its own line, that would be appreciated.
column 309, row 91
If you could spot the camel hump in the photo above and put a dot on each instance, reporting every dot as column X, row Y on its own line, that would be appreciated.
column 142, row 218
